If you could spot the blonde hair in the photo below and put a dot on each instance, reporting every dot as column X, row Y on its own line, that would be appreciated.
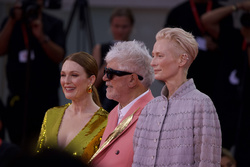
column 183, row 40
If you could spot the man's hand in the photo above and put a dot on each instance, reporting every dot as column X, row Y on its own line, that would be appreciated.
column 244, row 5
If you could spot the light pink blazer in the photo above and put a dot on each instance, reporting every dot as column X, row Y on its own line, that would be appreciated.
column 120, row 152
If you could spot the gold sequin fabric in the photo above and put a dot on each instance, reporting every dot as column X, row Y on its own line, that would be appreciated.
column 85, row 143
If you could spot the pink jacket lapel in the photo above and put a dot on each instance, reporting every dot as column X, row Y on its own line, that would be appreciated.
column 114, row 116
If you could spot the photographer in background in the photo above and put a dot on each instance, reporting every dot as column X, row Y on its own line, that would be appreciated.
column 35, row 45
column 232, row 100
column 187, row 15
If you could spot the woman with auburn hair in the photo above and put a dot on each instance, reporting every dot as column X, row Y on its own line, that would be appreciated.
column 76, row 127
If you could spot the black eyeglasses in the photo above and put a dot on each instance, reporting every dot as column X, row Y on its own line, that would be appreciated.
column 110, row 72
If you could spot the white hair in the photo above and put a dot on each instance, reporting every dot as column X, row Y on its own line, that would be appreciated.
column 133, row 56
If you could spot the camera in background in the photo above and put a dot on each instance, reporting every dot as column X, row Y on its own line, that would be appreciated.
column 30, row 10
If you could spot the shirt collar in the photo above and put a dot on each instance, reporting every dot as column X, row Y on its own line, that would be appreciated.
column 122, row 112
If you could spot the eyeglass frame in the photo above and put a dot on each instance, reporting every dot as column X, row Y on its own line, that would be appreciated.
column 110, row 72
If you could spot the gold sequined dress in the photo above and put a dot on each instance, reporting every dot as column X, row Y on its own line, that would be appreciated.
column 85, row 143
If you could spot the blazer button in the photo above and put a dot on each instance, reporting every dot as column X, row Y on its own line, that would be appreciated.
column 117, row 152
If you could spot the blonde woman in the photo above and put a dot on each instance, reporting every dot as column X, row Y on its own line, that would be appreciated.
column 180, row 127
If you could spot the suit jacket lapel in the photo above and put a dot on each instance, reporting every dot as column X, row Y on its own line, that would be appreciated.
column 111, row 125
column 138, row 104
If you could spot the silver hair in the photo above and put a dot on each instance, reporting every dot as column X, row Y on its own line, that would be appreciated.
column 133, row 56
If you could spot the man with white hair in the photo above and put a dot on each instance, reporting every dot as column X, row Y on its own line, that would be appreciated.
column 128, row 76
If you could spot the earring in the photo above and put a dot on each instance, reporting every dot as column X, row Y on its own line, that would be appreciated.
column 89, row 89
column 185, row 56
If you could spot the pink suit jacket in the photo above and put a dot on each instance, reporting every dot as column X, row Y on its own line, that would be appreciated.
column 119, row 152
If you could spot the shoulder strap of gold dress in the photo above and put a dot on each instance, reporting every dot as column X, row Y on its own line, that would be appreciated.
column 118, row 130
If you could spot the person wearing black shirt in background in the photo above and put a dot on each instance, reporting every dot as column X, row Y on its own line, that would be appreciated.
column 121, row 26
column 233, row 84
column 35, row 45
column 187, row 16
